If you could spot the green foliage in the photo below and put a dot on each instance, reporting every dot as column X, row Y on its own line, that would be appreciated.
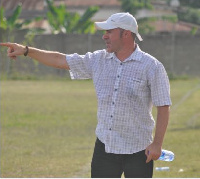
column 190, row 3
column 133, row 6
column 62, row 21
column 14, row 23
column 56, row 16
column 145, row 26
column 170, row 18
column 3, row 22
column 194, row 30
column 84, row 24
column 12, row 20
column 190, row 15
column 11, row 24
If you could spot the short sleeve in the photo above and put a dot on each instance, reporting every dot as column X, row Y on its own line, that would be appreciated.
column 159, row 86
column 80, row 65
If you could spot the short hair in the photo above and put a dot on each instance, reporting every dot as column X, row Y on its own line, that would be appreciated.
column 121, row 31
column 132, row 34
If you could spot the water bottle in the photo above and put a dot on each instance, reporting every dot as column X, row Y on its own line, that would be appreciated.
column 162, row 168
column 166, row 156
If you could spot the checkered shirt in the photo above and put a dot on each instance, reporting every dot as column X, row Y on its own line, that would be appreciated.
column 126, row 92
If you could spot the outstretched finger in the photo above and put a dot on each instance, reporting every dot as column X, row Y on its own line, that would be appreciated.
column 8, row 44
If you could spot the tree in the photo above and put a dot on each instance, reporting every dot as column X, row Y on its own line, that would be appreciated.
column 190, row 15
column 11, row 24
column 62, row 21
column 190, row 3
column 189, row 12
column 133, row 6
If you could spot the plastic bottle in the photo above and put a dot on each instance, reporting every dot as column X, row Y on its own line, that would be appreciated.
column 162, row 168
column 166, row 156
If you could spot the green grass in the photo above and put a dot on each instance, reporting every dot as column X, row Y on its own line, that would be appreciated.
column 48, row 129
column 183, row 132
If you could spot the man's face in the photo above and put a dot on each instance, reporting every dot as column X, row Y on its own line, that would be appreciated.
column 113, row 40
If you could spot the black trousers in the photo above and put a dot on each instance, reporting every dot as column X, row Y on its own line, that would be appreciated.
column 108, row 165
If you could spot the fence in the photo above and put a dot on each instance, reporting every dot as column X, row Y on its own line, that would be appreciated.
column 178, row 52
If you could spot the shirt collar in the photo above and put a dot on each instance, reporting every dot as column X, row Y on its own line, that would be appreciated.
column 136, row 55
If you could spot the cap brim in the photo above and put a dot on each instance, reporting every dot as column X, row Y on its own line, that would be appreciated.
column 104, row 26
column 107, row 26
column 139, row 37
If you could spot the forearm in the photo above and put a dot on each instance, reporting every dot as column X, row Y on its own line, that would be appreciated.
column 153, row 151
column 50, row 58
column 161, row 124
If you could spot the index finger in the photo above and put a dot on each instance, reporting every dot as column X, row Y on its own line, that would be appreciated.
column 8, row 44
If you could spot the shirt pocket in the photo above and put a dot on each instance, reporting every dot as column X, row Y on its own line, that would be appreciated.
column 136, row 87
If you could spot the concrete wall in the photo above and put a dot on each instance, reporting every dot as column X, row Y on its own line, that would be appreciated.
column 179, row 53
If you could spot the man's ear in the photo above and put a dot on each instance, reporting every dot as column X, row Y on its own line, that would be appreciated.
column 127, row 34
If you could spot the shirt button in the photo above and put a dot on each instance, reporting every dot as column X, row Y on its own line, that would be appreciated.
column 120, row 63
column 113, row 102
column 110, row 129
column 111, row 116
column 118, row 76
column 115, row 89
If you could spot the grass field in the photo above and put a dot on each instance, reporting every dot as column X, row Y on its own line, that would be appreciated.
column 48, row 129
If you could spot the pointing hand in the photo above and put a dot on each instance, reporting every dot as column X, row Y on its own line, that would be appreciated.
column 14, row 49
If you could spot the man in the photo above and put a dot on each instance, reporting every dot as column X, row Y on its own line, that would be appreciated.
column 128, row 82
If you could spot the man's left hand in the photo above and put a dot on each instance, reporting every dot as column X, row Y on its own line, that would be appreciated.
column 153, row 152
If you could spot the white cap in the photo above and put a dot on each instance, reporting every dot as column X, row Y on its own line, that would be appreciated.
column 120, row 20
